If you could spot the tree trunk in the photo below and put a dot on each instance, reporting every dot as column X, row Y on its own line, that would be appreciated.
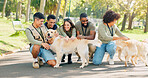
column 27, row 11
column 64, row 14
column 57, row 14
column 17, row 11
column 4, row 7
column 130, row 21
column 146, row 26
column 20, row 10
column 42, row 5
column 124, row 22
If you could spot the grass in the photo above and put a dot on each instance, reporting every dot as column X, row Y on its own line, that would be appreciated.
column 11, row 40
column 137, row 34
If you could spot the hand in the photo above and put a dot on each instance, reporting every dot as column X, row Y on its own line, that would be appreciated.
column 50, row 41
column 124, row 38
column 80, row 37
column 72, row 38
column 66, row 38
column 46, row 46
column 56, row 34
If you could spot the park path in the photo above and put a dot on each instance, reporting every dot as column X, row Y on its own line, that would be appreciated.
column 19, row 65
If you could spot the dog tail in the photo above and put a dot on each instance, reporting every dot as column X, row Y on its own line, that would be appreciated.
column 95, row 42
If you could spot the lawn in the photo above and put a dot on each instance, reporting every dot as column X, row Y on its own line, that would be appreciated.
column 10, row 40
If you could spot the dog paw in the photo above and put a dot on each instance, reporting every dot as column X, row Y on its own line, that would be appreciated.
column 57, row 66
column 86, row 64
column 81, row 67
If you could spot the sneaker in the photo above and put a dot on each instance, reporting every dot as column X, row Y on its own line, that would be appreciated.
column 111, row 61
column 40, row 61
column 35, row 65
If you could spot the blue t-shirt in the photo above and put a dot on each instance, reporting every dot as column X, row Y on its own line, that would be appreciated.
column 54, row 27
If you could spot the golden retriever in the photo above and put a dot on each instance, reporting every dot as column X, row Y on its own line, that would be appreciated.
column 62, row 46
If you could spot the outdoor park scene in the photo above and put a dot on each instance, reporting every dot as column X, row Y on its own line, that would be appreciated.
column 38, row 36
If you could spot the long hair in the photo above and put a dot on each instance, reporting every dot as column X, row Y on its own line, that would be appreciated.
column 71, row 23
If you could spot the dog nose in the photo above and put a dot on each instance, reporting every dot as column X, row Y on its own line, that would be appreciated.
column 48, row 34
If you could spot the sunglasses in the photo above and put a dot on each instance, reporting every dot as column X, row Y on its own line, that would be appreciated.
column 84, row 20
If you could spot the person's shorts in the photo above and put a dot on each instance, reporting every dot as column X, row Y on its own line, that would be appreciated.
column 45, row 54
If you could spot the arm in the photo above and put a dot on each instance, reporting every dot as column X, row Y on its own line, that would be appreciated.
column 31, row 38
column 62, row 32
column 74, row 32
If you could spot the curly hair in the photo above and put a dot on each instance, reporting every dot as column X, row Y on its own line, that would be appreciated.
column 110, row 16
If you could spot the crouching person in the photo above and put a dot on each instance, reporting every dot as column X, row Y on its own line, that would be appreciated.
column 36, row 35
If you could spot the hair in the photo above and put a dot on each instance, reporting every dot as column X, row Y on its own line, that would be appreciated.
column 51, row 17
column 71, row 23
column 38, row 15
column 83, row 15
column 110, row 16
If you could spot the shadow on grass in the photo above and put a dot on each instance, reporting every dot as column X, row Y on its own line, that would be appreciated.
column 3, row 42
column 17, row 33
column 3, row 51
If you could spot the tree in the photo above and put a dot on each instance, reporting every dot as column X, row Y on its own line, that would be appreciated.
column 146, row 27
column 64, row 9
column 42, row 5
column 4, row 7
column 57, row 14
column 27, row 11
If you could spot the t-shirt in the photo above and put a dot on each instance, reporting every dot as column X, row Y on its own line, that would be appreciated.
column 67, row 33
column 82, row 29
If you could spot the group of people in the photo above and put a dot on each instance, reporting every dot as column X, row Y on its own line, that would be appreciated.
column 83, row 29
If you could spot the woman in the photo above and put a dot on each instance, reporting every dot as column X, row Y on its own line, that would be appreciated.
column 67, row 30
column 106, row 33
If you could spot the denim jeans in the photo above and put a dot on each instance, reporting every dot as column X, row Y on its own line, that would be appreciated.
column 100, row 51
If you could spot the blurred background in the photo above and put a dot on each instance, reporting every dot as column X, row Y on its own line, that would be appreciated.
column 133, row 21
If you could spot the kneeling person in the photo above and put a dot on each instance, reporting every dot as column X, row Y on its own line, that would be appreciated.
column 36, row 35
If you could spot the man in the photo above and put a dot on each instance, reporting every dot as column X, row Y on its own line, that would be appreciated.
column 86, row 30
column 50, row 22
column 36, row 35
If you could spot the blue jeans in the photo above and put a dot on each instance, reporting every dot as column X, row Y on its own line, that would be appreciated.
column 100, row 51
column 45, row 54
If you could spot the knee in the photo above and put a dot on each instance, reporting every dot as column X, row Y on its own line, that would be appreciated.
column 36, row 48
column 51, row 62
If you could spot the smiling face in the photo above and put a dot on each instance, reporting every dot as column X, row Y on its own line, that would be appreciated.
column 67, row 26
column 84, row 21
column 51, row 23
column 38, row 22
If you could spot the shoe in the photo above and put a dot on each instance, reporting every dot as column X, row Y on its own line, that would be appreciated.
column 35, row 65
column 63, row 58
column 111, row 61
column 69, row 59
column 40, row 61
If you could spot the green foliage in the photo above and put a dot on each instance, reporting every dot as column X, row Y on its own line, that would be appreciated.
column 35, row 4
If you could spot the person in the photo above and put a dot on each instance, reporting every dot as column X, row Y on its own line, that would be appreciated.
column 39, row 48
column 67, row 30
column 106, row 33
column 86, row 30
column 51, row 22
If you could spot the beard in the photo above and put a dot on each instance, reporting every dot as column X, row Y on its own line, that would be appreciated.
column 85, row 25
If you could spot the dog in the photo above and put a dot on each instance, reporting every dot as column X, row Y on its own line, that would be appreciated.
column 135, row 49
column 62, row 46
column 120, row 45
